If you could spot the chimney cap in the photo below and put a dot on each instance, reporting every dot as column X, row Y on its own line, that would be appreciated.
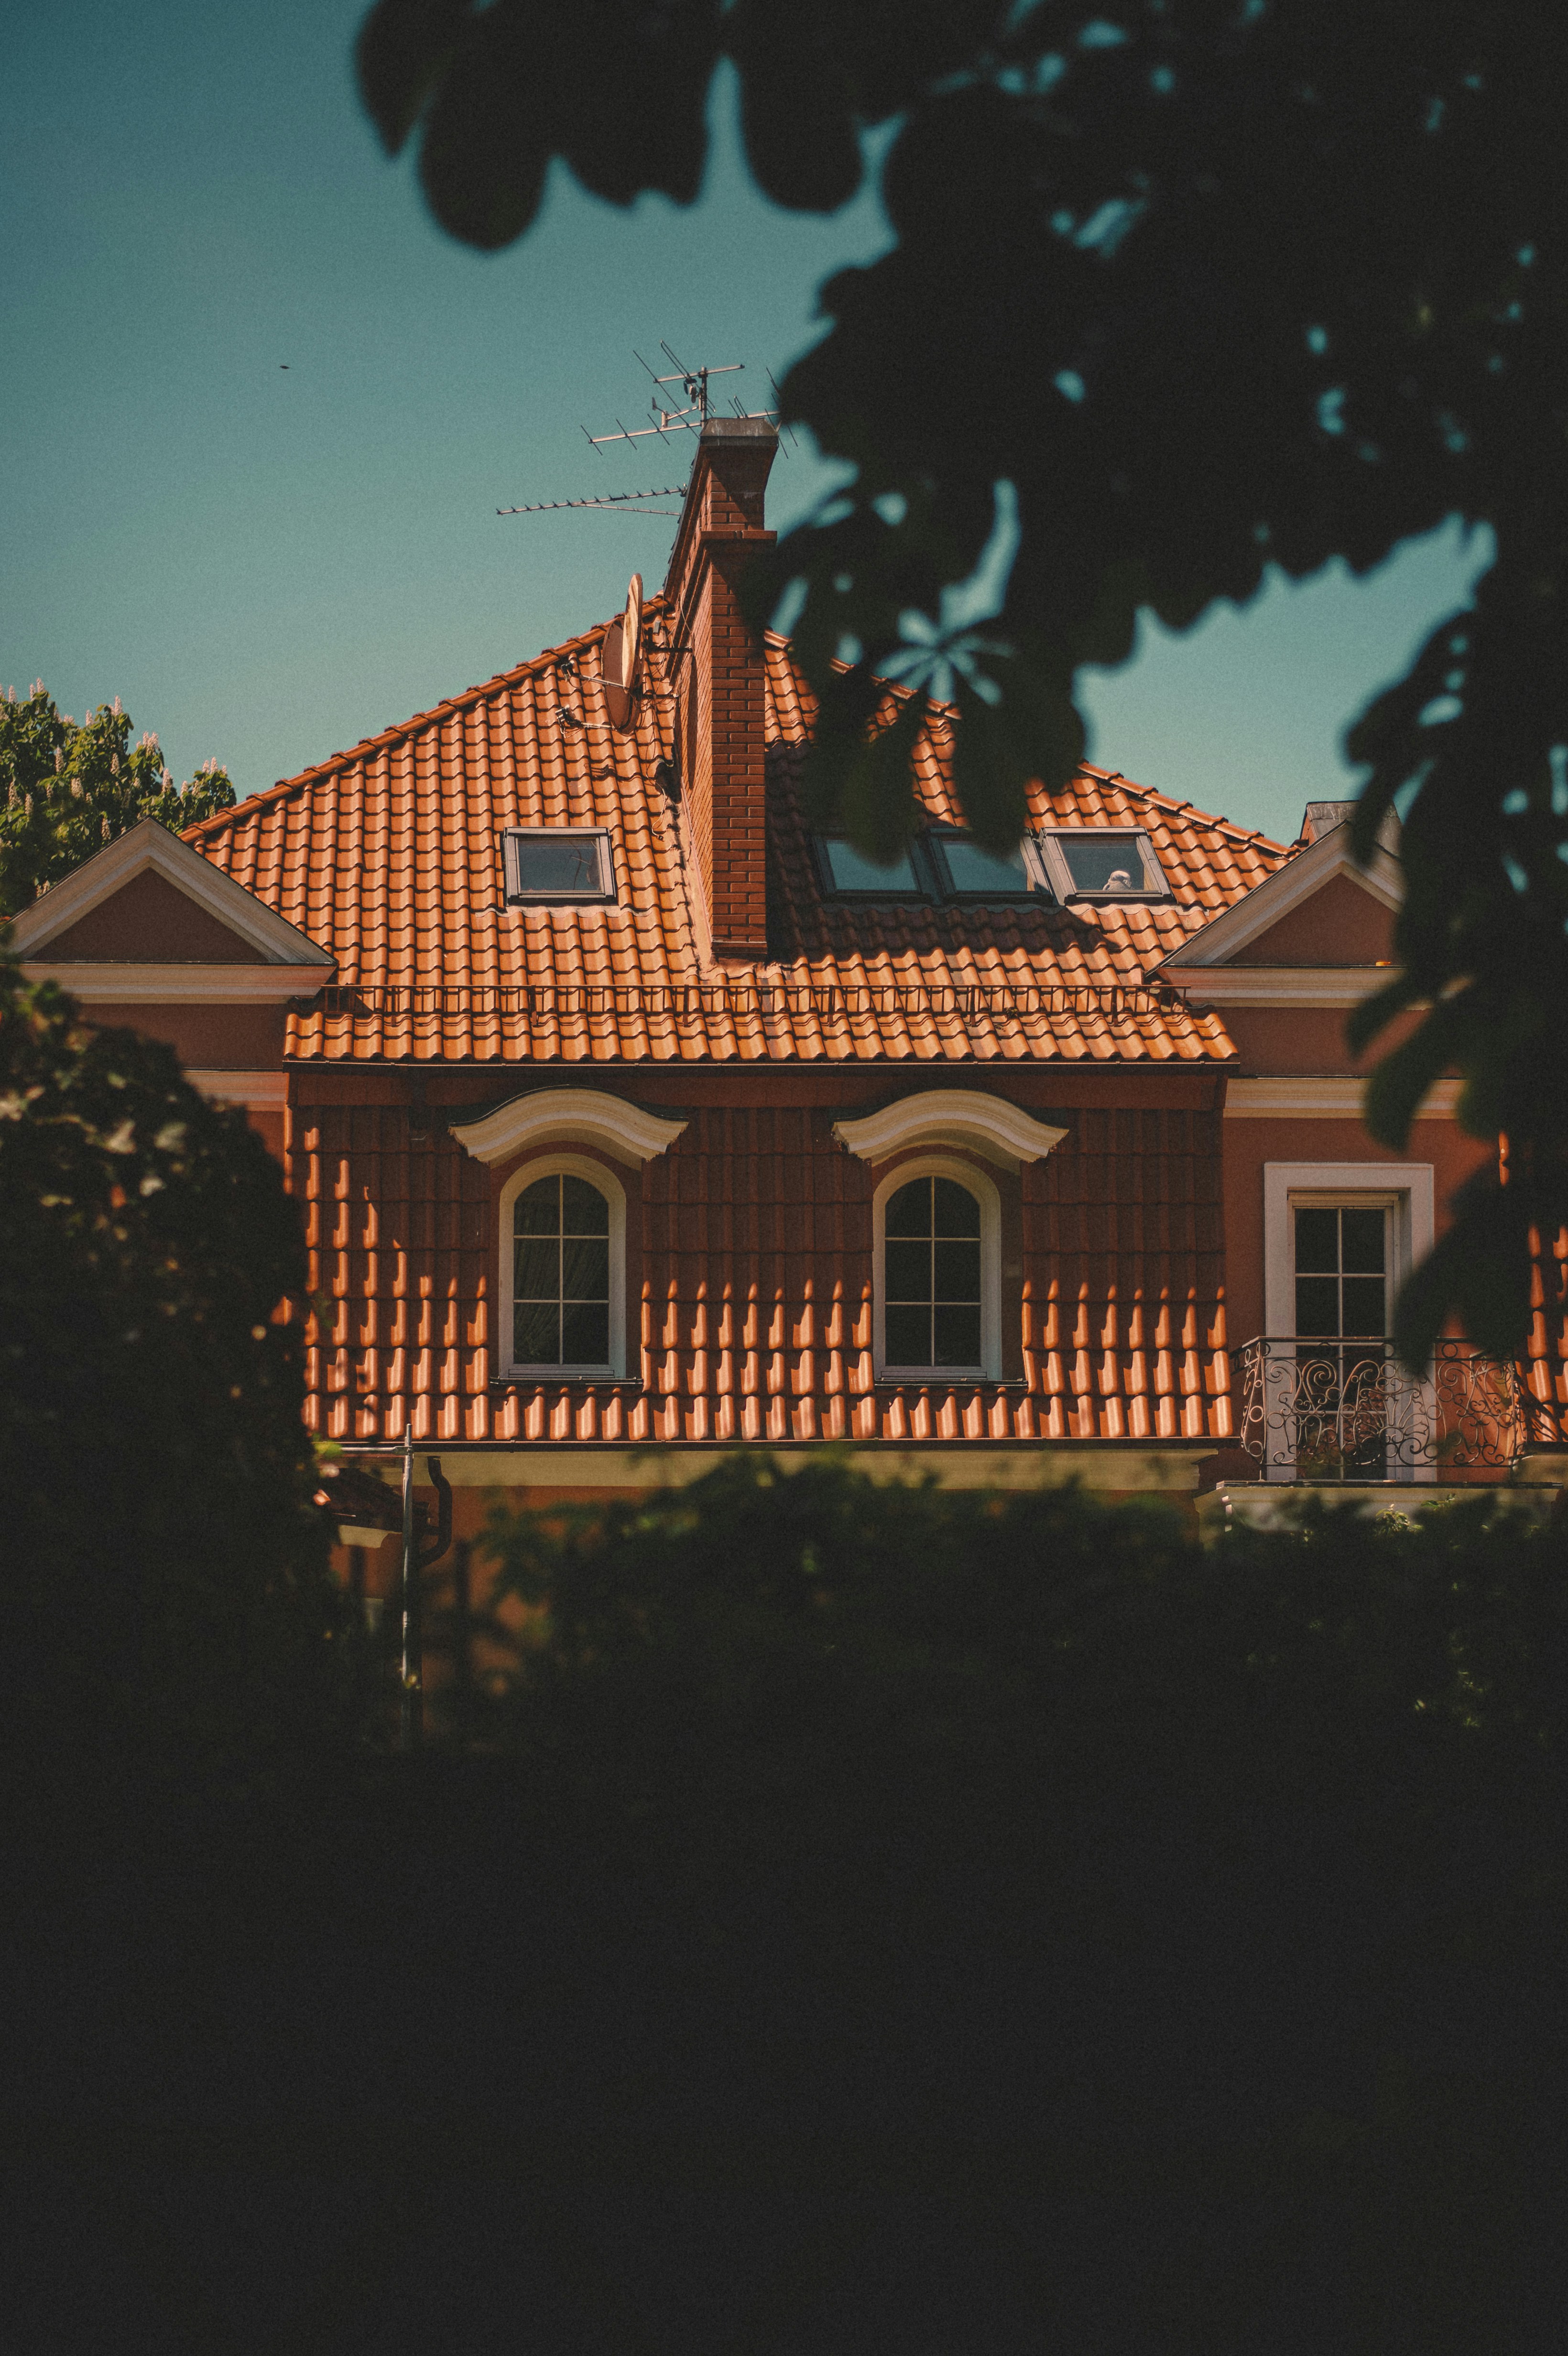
column 1322, row 818
column 739, row 429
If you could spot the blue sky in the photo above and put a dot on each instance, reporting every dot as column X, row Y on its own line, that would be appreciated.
column 268, row 562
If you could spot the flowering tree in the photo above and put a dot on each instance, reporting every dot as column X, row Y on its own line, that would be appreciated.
column 67, row 789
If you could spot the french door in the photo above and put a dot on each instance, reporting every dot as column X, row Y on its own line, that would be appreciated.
column 1346, row 1421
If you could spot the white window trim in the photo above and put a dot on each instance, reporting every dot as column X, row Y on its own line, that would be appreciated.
column 598, row 1174
column 514, row 894
column 1410, row 1183
column 1156, row 884
column 1406, row 1188
column 976, row 1183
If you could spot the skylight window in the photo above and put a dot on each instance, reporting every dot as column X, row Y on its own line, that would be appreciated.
column 1090, row 862
column 944, row 863
column 848, row 871
column 965, row 872
column 546, row 864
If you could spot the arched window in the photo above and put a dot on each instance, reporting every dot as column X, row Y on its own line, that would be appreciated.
column 565, row 1245
column 937, row 1239
column 932, row 1271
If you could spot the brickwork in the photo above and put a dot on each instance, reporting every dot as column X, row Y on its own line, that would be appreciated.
column 720, row 529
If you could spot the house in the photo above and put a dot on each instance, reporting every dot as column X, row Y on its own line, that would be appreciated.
column 627, row 1114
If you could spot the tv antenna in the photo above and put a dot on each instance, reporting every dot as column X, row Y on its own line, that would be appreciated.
column 691, row 416
column 610, row 499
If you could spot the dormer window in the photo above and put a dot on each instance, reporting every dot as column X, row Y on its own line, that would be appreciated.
column 546, row 864
column 1091, row 862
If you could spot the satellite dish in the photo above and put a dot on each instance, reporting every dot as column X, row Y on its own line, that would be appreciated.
column 621, row 653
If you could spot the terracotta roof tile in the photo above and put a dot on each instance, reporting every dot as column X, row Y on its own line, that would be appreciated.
column 756, row 1291
column 387, row 855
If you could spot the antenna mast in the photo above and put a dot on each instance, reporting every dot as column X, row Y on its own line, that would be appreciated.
column 692, row 417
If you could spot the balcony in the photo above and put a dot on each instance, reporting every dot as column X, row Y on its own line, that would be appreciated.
column 1341, row 1411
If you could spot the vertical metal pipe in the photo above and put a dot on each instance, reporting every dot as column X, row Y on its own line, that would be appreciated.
column 409, row 1712
column 462, row 1640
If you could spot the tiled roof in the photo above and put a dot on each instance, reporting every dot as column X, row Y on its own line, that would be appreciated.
column 755, row 1323
column 388, row 857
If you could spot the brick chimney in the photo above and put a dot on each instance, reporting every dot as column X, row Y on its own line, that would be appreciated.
column 721, row 718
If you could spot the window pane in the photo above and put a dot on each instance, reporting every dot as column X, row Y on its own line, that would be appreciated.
column 585, row 1334
column 970, row 869
column 557, row 862
column 536, row 1272
column 957, row 1337
column 1316, row 1305
column 583, row 1210
column 957, row 1272
column 908, row 1270
column 957, row 1212
column 1317, row 1243
column 535, row 1334
column 1364, row 1304
column 585, row 1268
column 908, row 1212
column 1102, row 863
column 1364, row 1232
column 907, row 1335
column 536, row 1211
column 852, row 872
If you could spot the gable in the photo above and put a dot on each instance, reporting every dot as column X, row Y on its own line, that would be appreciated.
column 149, row 899
column 148, row 921
column 1340, row 924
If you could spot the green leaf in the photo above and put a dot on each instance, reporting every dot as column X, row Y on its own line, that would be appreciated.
column 1400, row 1082
column 860, row 781
column 798, row 113
column 404, row 48
column 1376, row 1012
column 1477, row 1276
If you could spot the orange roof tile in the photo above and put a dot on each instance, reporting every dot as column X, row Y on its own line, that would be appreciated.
column 387, row 856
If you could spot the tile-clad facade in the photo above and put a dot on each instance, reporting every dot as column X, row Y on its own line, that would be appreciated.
column 752, row 1300
column 723, row 989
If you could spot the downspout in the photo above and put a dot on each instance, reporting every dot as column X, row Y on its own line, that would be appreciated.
column 410, row 1715
column 416, row 1562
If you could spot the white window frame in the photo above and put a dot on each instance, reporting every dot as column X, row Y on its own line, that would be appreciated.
column 1049, row 838
column 1408, row 1183
column 983, row 1188
column 600, row 1175
column 512, row 890
column 1404, row 1188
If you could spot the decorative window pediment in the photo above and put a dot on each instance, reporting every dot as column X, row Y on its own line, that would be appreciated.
column 963, row 1118
column 567, row 1116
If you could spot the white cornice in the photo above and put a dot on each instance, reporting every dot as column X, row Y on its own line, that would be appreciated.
column 257, row 1091
column 1333, row 1096
column 567, row 1116
column 150, row 845
column 988, row 1125
column 1281, row 985
column 1225, row 935
column 180, row 985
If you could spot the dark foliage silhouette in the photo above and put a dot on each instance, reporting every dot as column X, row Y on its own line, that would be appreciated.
column 1183, row 290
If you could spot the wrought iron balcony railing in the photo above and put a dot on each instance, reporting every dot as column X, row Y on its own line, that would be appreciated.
column 1347, row 1411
